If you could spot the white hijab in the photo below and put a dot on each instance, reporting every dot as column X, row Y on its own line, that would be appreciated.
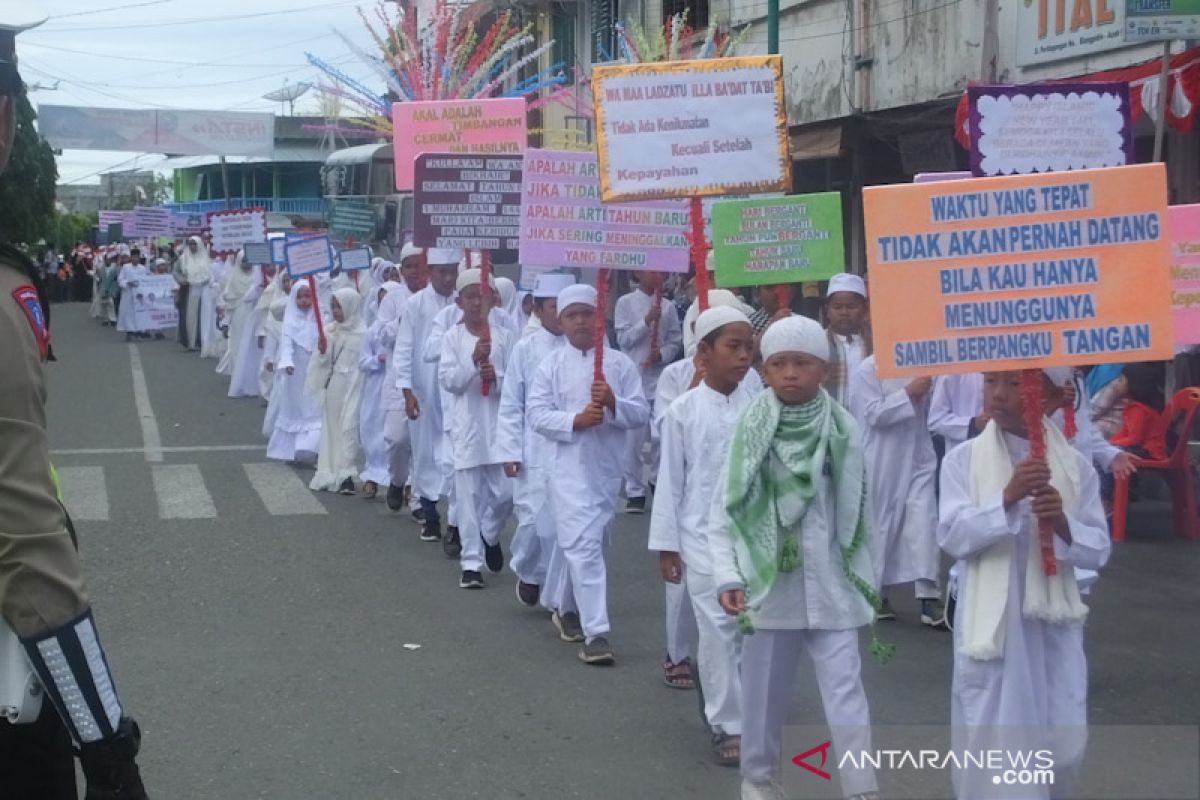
column 300, row 325
column 239, row 281
column 350, row 301
column 196, row 267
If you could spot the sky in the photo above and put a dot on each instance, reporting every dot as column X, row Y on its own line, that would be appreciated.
column 216, row 54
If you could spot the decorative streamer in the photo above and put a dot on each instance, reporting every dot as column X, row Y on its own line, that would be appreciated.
column 316, row 306
column 485, row 291
column 599, row 329
column 699, row 244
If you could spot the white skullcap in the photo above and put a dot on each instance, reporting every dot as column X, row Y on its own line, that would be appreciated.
column 846, row 282
column 576, row 293
column 726, row 298
column 718, row 317
column 443, row 257
column 1059, row 376
column 409, row 250
column 549, row 284
column 471, row 277
column 795, row 335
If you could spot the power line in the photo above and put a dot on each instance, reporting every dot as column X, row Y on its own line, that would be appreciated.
column 111, row 8
column 196, row 20
column 193, row 64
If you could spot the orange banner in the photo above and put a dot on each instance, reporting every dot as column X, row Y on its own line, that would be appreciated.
column 1029, row 271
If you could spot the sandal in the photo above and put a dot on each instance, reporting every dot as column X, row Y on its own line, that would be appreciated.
column 369, row 490
column 727, row 749
column 678, row 676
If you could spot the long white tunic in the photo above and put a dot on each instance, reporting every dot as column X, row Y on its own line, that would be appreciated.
column 246, row 357
column 1040, row 682
column 127, row 279
column 415, row 373
column 696, row 431
column 677, row 379
column 297, row 424
column 587, row 464
column 901, row 474
column 517, row 442
column 372, row 413
column 213, row 344
column 335, row 381
column 633, row 335
column 956, row 400
column 472, row 417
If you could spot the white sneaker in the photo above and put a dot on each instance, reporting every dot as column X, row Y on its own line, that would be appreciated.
column 767, row 790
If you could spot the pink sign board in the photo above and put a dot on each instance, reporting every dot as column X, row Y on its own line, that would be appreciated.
column 564, row 223
column 461, row 127
column 1185, row 273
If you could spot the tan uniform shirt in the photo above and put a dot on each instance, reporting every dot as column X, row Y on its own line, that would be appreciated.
column 41, row 582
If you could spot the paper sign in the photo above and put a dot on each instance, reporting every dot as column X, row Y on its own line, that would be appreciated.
column 232, row 229
column 354, row 258
column 1019, row 272
column 468, row 203
column 308, row 256
column 153, row 303
column 1160, row 20
column 152, row 222
column 187, row 224
column 257, row 252
column 564, row 224
column 782, row 240
column 279, row 251
column 353, row 219
column 1185, row 273
column 687, row 128
column 462, row 127
column 1016, row 130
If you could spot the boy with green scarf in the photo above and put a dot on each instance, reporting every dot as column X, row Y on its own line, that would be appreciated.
column 791, row 560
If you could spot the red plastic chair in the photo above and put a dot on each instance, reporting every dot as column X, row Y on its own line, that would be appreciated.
column 1177, row 469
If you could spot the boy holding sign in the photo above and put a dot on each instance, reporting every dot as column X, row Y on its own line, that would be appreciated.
column 1019, row 662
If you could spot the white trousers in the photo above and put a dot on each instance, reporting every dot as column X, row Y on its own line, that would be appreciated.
column 769, row 662
column 557, row 593
column 639, row 458
column 681, row 622
column 429, row 480
column 484, row 505
column 589, row 579
column 719, row 655
column 396, row 435
column 533, row 540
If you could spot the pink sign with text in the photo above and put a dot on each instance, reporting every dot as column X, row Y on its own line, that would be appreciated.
column 462, row 127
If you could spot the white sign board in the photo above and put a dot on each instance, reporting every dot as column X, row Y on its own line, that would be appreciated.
column 353, row 259
column 309, row 256
column 1052, row 30
column 168, row 131
column 232, row 229
column 153, row 303
column 691, row 128
column 151, row 222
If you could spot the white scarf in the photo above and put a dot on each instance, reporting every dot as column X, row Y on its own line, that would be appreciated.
column 300, row 325
column 1053, row 598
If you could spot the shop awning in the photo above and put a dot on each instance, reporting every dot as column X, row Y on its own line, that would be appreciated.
column 1183, row 83
column 819, row 140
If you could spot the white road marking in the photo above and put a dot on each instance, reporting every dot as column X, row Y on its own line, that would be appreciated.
column 84, row 493
column 151, row 440
column 180, row 491
column 199, row 448
column 281, row 490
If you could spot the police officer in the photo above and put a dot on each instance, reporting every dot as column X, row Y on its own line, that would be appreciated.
column 42, row 594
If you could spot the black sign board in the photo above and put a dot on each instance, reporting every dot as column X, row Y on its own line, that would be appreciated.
column 468, row 202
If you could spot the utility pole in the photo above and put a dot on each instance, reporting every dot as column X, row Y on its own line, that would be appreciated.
column 772, row 27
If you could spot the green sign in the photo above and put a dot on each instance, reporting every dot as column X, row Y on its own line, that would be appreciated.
column 778, row 240
column 352, row 219
column 1159, row 20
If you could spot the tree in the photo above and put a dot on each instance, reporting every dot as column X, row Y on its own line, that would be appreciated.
column 27, row 185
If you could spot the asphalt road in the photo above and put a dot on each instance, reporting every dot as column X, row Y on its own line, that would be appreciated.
column 258, row 632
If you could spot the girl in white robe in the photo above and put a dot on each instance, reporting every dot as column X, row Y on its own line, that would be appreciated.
column 273, row 330
column 296, row 433
column 239, row 279
column 902, row 476
column 373, row 363
column 243, row 339
column 268, row 329
column 335, row 379
column 128, row 279
column 213, row 344
column 1019, row 665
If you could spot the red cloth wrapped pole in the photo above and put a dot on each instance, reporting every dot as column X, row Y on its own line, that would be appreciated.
column 1031, row 394
column 600, row 331
column 699, row 253
column 485, row 291
column 783, row 296
column 316, row 306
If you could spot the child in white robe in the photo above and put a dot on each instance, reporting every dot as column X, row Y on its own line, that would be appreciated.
column 246, row 355
column 1019, row 665
column 296, row 432
column 846, row 317
column 240, row 279
column 525, row 452
column 788, row 538
column 335, row 379
column 635, row 317
column 587, row 420
column 696, row 431
column 213, row 344
column 128, row 278
column 373, row 362
column 466, row 365
column 902, row 471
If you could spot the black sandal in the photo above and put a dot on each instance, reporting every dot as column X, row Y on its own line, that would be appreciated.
column 678, row 676
column 727, row 749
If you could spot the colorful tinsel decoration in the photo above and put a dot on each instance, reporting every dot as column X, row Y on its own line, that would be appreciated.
column 446, row 58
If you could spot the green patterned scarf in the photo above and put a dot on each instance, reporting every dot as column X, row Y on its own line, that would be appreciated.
column 776, row 459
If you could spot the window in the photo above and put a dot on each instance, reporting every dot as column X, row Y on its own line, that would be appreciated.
column 604, row 31
column 563, row 19
column 697, row 12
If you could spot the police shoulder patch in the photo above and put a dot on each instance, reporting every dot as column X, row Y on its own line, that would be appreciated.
column 27, row 298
